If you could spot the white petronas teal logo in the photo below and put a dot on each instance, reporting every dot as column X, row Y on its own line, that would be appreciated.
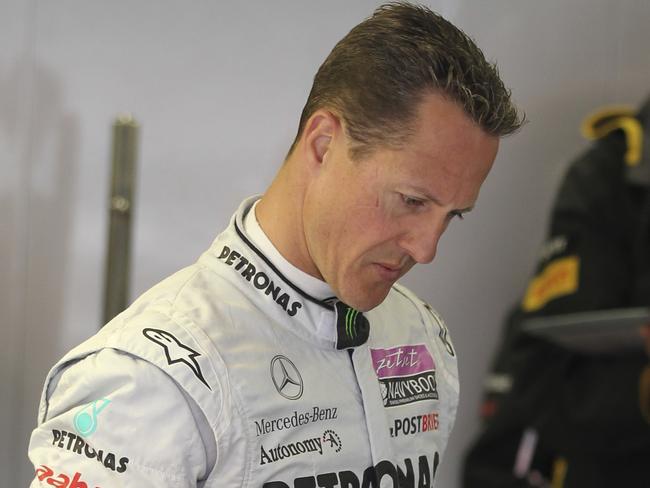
column 86, row 419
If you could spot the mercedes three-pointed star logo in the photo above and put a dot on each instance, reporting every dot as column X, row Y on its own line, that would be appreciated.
column 286, row 377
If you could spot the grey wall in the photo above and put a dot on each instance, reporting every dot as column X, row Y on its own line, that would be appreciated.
column 218, row 87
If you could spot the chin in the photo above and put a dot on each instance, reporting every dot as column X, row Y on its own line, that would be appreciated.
column 367, row 302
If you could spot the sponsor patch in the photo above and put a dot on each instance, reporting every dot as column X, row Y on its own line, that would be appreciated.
column 559, row 278
column 86, row 419
column 46, row 474
column 76, row 444
column 409, row 474
column 297, row 448
column 352, row 327
column 296, row 419
column 333, row 440
column 406, row 374
column 286, row 377
column 259, row 280
column 176, row 351
column 414, row 424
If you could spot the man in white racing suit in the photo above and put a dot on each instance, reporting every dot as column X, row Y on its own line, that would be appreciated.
column 287, row 355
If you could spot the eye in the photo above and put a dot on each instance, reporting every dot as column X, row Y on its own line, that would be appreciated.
column 412, row 202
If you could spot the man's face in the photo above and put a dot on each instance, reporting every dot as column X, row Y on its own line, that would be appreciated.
column 367, row 222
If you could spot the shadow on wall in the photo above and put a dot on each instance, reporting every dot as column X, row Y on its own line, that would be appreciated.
column 36, row 211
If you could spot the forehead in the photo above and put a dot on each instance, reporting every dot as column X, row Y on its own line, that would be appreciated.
column 447, row 153
column 442, row 124
column 442, row 132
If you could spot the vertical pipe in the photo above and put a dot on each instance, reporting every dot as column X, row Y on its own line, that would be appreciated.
column 124, row 154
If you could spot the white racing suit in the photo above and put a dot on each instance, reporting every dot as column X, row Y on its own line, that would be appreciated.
column 221, row 376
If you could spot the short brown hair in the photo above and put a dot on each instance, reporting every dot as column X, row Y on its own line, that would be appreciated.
column 376, row 75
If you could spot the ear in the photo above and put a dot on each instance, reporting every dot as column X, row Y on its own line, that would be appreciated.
column 321, row 130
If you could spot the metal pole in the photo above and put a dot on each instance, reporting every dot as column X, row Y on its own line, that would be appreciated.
column 124, row 155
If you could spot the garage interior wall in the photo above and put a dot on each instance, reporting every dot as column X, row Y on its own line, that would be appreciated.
column 217, row 88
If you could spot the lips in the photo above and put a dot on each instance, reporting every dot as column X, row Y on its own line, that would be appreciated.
column 388, row 272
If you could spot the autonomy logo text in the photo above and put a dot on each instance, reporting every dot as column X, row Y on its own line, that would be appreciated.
column 291, row 449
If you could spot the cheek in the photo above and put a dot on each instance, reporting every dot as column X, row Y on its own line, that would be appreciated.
column 356, row 220
column 368, row 234
column 348, row 242
column 363, row 221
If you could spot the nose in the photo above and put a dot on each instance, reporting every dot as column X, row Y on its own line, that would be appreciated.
column 420, row 241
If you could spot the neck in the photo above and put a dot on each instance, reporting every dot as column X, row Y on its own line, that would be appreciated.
column 280, row 212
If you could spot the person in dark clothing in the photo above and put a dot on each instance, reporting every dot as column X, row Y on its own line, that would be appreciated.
column 557, row 417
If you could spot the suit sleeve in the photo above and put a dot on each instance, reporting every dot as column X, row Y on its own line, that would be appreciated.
column 114, row 420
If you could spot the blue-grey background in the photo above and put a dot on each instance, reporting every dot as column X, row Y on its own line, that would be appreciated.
column 218, row 87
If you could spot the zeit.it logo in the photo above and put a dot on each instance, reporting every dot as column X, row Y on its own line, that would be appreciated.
column 406, row 374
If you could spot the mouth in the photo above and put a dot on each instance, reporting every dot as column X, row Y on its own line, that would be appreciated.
column 388, row 272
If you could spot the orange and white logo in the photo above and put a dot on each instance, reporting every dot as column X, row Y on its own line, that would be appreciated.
column 47, row 474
